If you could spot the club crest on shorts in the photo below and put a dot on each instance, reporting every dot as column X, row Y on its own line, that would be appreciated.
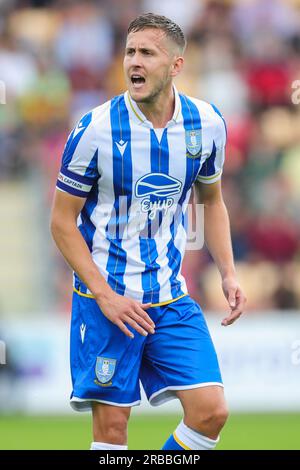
column 193, row 141
column 105, row 369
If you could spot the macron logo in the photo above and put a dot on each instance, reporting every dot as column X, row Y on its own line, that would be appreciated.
column 77, row 129
column 121, row 146
column 82, row 332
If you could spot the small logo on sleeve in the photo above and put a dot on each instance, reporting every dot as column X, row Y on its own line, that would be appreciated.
column 78, row 129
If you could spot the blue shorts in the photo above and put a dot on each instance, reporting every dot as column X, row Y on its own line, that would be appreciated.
column 108, row 367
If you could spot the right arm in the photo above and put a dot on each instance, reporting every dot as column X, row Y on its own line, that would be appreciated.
column 118, row 309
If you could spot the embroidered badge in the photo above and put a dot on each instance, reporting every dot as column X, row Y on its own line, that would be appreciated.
column 193, row 140
column 105, row 369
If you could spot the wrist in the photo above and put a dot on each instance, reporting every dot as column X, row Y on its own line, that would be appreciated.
column 103, row 295
column 228, row 274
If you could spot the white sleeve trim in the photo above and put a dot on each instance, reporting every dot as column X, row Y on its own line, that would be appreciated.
column 210, row 179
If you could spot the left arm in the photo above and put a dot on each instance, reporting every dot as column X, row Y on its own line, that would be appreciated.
column 218, row 240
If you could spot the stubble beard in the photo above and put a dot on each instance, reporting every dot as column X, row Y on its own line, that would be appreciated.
column 154, row 94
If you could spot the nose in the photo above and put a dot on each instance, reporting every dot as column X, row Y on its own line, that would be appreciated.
column 135, row 60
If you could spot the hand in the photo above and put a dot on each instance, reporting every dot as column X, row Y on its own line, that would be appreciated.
column 235, row 298
column 120, row 310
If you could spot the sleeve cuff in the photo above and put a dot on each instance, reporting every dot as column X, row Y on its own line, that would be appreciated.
column 210, row 179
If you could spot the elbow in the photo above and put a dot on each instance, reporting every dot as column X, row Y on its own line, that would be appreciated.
column 58, row 224
column 55, row 226
column 61, row 225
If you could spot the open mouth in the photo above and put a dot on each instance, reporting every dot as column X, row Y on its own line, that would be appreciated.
column 137, row 80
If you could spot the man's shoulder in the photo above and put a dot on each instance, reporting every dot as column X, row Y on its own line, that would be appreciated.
column 206, row 110
column 212, row 121
column 99, row 113
column 96, row 120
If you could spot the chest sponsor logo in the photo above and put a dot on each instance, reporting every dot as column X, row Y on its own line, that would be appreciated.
column 156, row 190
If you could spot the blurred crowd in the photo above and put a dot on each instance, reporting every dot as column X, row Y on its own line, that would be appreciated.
column 59, row 59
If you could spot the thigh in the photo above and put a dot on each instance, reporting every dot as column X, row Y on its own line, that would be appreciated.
column 202, row 400
column 180, row 355
column 104, row 362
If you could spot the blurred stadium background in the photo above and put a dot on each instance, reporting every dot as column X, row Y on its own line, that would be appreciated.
column 59, row 59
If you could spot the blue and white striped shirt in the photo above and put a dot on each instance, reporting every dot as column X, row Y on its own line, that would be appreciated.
column 137, row 182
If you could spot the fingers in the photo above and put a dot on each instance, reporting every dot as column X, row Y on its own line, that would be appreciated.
column 237, row 310
column 138, row 319
column 135, row 321
column 149, row 327
column 232, row 298
column 145, row 306
column 144, row 316
column 125, row 330
column 135, row 326
column 232, row 317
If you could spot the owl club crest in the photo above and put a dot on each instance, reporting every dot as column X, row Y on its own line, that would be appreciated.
column 193, row 140
column 105, row 369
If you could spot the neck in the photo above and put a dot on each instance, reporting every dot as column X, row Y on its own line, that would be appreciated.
column 160, row 111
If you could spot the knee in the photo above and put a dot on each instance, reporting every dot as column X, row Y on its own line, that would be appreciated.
column 117, row 431
column 211, row 421
column 218, row 416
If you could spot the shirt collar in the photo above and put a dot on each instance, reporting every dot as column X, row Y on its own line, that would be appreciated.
column 136, row 114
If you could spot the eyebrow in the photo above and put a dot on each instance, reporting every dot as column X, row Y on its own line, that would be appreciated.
column 142, row 49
